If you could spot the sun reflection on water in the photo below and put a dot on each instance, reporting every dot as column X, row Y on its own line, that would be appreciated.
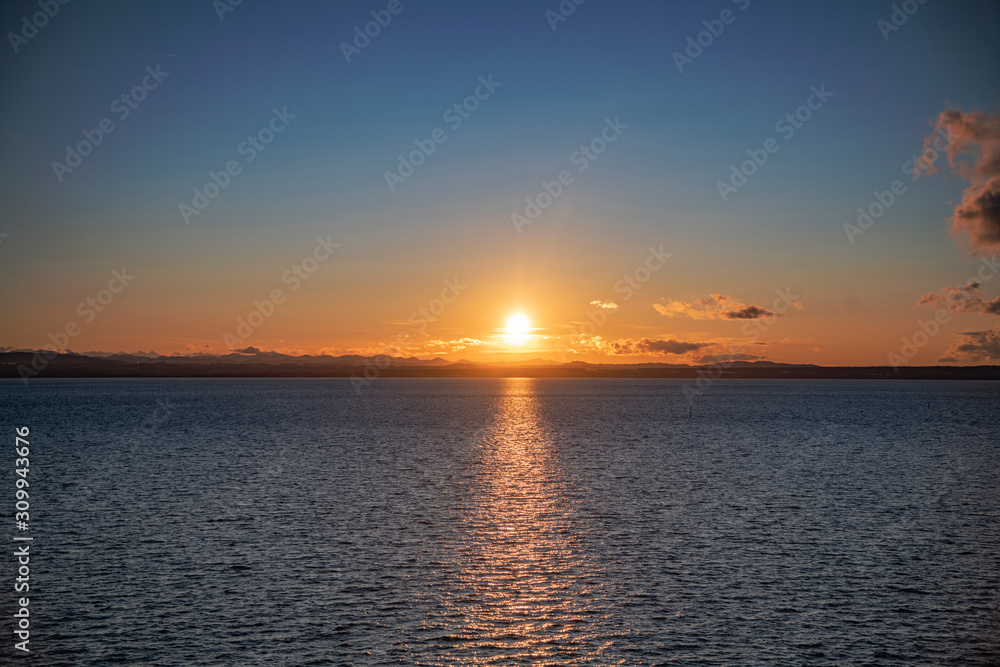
column 527, row 588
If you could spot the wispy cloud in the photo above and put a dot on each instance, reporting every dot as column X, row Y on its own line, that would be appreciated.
column 966, row 299
column 712, row 307
column 749, row 313
column 649, row 346
column 450, row 346
column 677, row 351
column 978, row 345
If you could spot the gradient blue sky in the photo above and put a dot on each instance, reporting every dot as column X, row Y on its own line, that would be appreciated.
column 324, row 174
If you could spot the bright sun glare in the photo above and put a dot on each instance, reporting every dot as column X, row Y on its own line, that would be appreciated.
column 518, row 329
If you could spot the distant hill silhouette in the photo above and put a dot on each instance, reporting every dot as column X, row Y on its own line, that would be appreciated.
column 256, row 363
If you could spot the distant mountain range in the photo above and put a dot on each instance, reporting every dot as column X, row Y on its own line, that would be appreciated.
column 252, row 362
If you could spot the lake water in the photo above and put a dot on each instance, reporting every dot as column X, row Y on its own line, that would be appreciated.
column 509, row 521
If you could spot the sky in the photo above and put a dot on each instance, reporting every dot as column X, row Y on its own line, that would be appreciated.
column 643, row 181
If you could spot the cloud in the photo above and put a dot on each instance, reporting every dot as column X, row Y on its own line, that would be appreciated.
column 967, row 299
column 749, row 313
column 669, row 346
column 973, row 153
column 431, row 348
column 979, row 345
column 719, row 350
column 450, row 346
column 702, row 309
column 630, row 347
column 676, row 309
column 605, row 305
column 404, row 346
column 714, row 306
column 712, row 299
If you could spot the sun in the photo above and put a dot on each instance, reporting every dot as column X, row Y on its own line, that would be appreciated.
column 518, row 329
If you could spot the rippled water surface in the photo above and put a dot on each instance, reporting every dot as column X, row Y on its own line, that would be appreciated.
column 512, row 521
